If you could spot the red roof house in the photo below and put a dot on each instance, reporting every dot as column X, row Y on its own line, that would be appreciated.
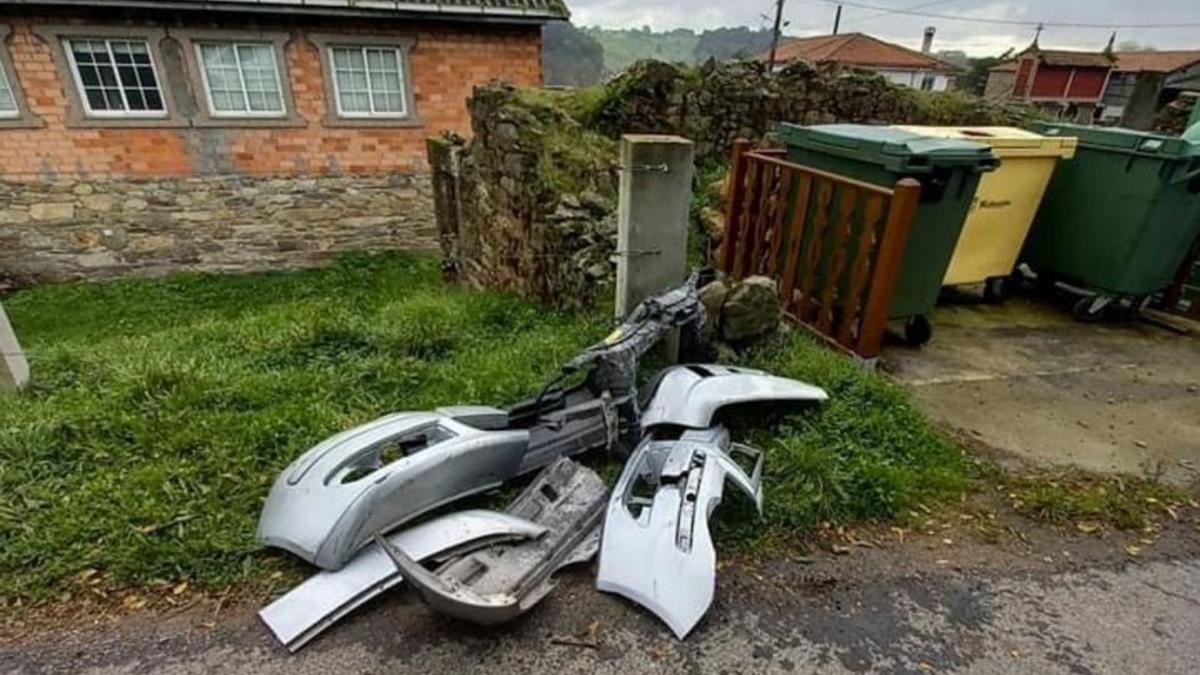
column 1068, row 83
column 897, row 63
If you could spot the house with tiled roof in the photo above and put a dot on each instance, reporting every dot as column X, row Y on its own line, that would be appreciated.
column 897, row 63
column 1144, row 82
column 147, row 136
column 1066, row 84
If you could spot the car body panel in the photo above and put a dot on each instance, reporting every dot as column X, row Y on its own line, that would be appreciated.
column 668, row 535
column 335, row 497
column 691, row 395
column 301, row 614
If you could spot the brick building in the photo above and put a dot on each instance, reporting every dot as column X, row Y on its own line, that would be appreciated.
column 143, row 136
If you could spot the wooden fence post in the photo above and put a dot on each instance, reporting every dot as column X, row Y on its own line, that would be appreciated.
column 896, row 229
column 733, row 205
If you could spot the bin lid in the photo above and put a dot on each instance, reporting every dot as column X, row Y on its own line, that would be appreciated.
column 896, row 149
column 1118, row 139
column 1007, row 141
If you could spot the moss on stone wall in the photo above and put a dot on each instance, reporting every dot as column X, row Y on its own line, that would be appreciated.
column 537, row 184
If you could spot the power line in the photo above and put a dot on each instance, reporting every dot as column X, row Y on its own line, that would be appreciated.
column 898, row 10
column 1011, row 22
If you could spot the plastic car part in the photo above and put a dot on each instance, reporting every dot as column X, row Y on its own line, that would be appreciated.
column 308, row 609
column 498, row 583
column 691, row 395
column 335, row 497
column 656, row 550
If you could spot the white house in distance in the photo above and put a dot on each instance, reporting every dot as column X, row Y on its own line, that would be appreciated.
column 899, row 64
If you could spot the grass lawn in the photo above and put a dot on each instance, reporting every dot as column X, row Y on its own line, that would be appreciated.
column 161, row 410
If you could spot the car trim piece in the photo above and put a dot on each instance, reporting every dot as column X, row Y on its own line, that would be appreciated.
column 307, row 610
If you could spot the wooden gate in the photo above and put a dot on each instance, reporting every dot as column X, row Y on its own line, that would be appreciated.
column 833, row 244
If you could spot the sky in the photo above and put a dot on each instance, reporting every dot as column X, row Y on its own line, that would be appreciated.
column 964, row 32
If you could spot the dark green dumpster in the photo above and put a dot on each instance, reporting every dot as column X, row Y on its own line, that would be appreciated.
column 948, row 170
column 1119, row 220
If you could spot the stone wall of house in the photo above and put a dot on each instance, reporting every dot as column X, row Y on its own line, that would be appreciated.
column 72, row 228
column 92, row 199
column 529, row 203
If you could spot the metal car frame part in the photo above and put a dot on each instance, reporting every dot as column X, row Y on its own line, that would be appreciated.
column 301, row 614
column 499, row 582
column 691, row 395
column 674, row 575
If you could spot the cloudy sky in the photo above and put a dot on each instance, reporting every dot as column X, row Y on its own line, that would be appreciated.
column 964, row 31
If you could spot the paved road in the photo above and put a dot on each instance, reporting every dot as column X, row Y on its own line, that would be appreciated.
column 786, row 617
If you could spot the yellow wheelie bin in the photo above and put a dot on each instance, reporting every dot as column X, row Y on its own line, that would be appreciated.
column 1005, row 203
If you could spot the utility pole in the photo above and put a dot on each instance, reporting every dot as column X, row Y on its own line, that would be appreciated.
column 775, row 35
column 837, row 20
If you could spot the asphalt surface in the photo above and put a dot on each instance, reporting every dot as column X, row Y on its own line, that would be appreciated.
column 1117, row 616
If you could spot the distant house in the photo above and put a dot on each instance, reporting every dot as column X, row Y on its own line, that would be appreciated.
column 1066, row 84
column 899, row 64
column 146, row 136
column 1144, row 82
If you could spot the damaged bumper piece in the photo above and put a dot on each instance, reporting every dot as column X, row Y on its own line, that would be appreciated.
column 498, row 583
column 656, row 549
column 335, row 497
column 308, row 609
column 691, row 395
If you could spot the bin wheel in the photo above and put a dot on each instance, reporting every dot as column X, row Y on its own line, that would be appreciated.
column 997, row 289
column 1091, row 309
column 917, row 330
column 1045, row 283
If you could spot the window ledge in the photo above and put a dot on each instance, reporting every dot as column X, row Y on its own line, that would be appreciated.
column 335, row 122
column 292, row 121
column 22, row 122
column 172, row 122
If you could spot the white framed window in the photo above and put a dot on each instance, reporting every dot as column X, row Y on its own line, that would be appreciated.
column 8, row 99
column 368, row 81
column 115, row 78
column 241, row 79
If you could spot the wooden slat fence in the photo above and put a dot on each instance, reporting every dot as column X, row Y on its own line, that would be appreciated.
column 834, row 244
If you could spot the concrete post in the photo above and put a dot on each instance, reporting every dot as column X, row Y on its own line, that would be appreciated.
column 655, row 195
column 14, row 369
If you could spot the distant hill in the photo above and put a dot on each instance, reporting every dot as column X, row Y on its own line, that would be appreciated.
column 622, row 47
column 570, row 57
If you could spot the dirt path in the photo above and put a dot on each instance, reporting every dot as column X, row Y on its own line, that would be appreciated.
column 1048, row 601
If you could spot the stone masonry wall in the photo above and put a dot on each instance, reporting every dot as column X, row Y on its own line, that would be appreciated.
column 71, row 229
column 532, row 208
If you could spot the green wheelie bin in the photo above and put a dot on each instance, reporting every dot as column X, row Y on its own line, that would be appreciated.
column 948, row 170
column 1119, row 220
